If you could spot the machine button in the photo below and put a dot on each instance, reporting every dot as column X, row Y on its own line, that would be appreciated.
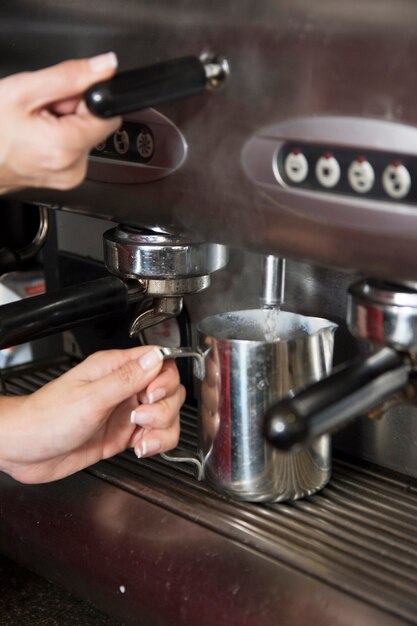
column 396, row 180
column 121, row 141
column 100, row 146
column 145, row 144
column 361, row 175
column 296, row 166
column 327, row 170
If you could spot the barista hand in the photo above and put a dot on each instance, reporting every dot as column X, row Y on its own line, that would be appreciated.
column 46, row 129
column 111, row 401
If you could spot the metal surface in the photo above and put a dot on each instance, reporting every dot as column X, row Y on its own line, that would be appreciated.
column 29, row 251
column 288, row 60
column 161, row 309
column 145, row 255
column 141, row 538
column 166, row 266
column 273, row 282
column 383, row 314
column 216, row 68
column 251, row 359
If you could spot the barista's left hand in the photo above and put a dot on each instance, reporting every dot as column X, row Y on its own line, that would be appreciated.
column 111, row 401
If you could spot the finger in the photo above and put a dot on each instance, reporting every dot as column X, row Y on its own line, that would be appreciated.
column 126, row 380
column 104, row 362
column 160, row 415
column 66, row 80
column 81, row 131
column 68, row 178
column 156, row 441
column 65, row 107
column 137, row 437
column 165, row 384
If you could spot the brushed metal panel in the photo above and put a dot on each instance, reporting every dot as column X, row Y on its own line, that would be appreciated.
column 289, row 59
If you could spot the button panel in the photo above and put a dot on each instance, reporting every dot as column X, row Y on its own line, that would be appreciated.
column 369, row 174
column 147, row 147
column 133, row 142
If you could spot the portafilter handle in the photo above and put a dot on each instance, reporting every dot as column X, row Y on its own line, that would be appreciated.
column 350, row 391
column 146, row 87
column 52, row 312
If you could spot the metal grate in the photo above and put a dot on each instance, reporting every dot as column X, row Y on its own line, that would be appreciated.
column 359, row 534
column 23, row 379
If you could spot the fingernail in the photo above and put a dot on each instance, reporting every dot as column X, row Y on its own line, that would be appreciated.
column 141, row 418
column 103, row 62
column 149, row 447
column 156, row 395
column 150, row 359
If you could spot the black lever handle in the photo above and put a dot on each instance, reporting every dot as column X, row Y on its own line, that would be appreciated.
column 329, row 404
column 145, row 87
column 56, row 311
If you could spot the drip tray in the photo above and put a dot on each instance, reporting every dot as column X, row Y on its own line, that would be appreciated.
column 352, row 547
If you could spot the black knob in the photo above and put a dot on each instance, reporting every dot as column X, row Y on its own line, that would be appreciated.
column 147, row 86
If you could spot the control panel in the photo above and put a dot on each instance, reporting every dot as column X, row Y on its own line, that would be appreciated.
column 383, row 176
column 133, row 142
column 146, row 147
column 355, row 172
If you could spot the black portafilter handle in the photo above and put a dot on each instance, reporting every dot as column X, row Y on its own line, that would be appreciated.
column 44, row 315
column 329, row 404
column 147, row 86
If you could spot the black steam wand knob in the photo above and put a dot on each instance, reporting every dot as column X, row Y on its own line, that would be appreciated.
column 148, row 86
column 329, row 404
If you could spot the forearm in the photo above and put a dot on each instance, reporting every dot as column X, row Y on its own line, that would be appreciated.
column 11, row 425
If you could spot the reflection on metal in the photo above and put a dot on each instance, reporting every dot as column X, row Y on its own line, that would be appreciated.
column 383, row 313
column 167, row 268
column 273, row 282
column 246, row 361
column 350, row 550
column 29, row 251
column 216, row 68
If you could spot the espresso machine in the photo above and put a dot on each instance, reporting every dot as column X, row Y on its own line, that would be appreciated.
column 297, row 141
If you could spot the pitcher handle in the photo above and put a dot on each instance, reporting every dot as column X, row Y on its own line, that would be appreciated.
column 178, row 457
column 186, row 456
column 178, row 353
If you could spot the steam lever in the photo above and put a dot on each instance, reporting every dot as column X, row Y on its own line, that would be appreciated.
column 147, row 86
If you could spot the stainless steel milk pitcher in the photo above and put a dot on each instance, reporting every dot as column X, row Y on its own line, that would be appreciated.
column 245, row 361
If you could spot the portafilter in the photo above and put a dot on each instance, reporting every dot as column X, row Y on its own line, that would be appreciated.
column 385, row 315
column 146, row 265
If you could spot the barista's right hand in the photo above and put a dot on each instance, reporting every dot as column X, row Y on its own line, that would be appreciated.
column 46, row 130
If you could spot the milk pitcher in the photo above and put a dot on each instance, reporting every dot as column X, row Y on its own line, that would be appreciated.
column 246, row 361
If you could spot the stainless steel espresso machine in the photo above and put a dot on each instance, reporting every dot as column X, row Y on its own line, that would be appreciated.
column 288, row 129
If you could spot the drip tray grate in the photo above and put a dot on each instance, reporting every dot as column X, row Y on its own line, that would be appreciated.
column 359, row 534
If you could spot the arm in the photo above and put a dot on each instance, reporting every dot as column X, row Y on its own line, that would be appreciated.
column 113, row 400
column 46, row 129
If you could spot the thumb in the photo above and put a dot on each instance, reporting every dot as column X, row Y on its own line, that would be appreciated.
column 66, row 80
column 130, row 378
